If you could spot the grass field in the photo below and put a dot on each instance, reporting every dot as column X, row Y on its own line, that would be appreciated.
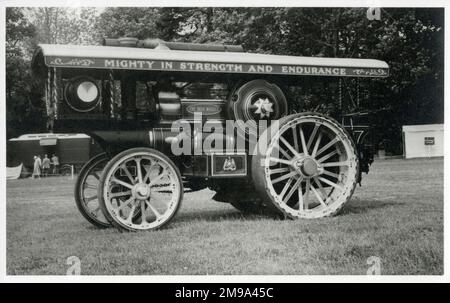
column 397, row 215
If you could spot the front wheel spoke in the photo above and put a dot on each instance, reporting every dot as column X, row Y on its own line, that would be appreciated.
column 317, row 196
column 330, row 183
column 95, row 175
column 127, row 172
column 125, row 204
column 279, row 170
column 283, row 177
column 278, row 160
column 138, row 169
column 302, row 138
column 147, row 175
column 327, row 146
column 153, row 209
column 89, row 199
column 121, row 194
column 293, row 189
column 289, row 146
column 90, row 186
column 313, row 135
column 143, row 214
column 131, row 214
column 127, row 185
column 327, row 156
column 159, row 177
column 333, row 164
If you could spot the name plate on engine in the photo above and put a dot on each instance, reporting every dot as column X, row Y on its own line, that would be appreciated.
column 210, row 108
column 228, row 165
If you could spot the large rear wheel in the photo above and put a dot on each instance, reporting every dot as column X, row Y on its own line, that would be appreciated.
column 144, row 180
column 309, row 168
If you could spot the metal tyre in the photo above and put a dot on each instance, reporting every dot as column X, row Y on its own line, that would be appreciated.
column 309, row 169
column 86, row 191
column 144, row 180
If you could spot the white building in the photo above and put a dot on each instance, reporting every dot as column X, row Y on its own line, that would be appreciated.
column 423, row 140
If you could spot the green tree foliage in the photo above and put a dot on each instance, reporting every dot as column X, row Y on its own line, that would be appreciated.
column 63, row 25
column 21, row 115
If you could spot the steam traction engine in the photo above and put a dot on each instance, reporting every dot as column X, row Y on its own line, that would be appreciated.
column 160, row 110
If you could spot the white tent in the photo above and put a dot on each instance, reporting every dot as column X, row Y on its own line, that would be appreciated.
column 14, row 172
column 423, row 140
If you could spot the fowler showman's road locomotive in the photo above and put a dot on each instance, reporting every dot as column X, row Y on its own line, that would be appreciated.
column 171, row 116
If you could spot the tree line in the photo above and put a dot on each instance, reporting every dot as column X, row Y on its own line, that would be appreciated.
column 410, row 40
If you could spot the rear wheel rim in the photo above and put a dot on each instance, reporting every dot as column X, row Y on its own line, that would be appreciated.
column 310, row 168
column 144, row 183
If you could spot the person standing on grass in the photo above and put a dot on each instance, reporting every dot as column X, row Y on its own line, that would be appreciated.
column 45, row 166
column 37, row 167
column 55, row 162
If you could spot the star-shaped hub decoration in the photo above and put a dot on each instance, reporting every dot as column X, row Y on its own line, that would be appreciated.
column 263, row 107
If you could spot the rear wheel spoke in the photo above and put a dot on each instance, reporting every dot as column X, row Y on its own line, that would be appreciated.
column 316, row 146
column 295, row 187
column 284, row 177
column 302, row 138
column 289, row 146
column 306, row 196
column 327, row 156
column 279, row 170
column 330, row 183
column 321, row 189
column 317, row 196
column 334, row 164
column 327, row 146
column 294, row 134
column 301, row 205
column 313, row 135
column 278, row 160
column 138, row 169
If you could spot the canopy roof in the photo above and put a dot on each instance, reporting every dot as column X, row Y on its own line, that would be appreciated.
column 131, row 58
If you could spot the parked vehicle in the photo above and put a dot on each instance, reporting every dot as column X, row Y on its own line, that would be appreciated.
column 161, row 111
column 72, row 149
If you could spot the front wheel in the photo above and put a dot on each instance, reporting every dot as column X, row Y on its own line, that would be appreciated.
column 144, row 180
column 86, row 190
column 309, row 168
